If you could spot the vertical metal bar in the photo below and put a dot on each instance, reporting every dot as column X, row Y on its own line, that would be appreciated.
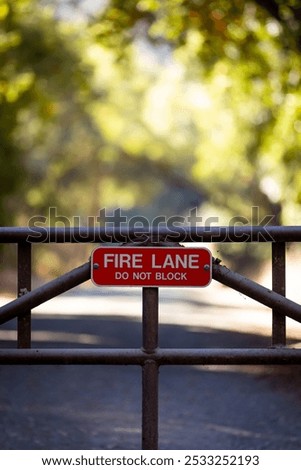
column 24, row 286
column 150, row 372
column 278, row 283
column 150, row 301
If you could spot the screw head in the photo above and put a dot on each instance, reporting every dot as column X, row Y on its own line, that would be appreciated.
column 95, row 266
column 206, row 267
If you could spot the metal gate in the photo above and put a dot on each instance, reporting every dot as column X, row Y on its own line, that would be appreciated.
column 150, row 357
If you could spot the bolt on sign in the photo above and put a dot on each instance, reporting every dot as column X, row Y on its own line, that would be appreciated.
column 151, row 266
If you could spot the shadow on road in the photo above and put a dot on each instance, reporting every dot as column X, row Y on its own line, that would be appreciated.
column 99, row 407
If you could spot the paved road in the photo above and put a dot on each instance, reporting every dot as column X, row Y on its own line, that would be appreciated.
column 98, row 407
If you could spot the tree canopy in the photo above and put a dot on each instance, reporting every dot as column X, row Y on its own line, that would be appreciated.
column 201, row 97
column 227, row 98
column 42, row 77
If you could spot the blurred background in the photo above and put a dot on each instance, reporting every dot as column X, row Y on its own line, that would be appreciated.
column 154, row 107
column 150, row 109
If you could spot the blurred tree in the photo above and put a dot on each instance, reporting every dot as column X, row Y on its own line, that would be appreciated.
column 43, row 91
column 52, row 153
column 224, row 109
column 202, row 96
column 288, row 14
column 110, row 108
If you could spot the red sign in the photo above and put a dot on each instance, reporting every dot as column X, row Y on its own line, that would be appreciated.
column 151, row 266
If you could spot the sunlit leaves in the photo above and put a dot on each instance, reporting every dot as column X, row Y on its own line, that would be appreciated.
column 40, row 72
column 207, row 90
column 229, row 96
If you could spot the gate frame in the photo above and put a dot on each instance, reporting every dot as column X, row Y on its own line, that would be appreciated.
column 150, row 357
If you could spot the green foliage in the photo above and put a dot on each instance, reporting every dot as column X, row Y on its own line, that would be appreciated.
column 41, row 73
column 198, row 95
column 225, row 106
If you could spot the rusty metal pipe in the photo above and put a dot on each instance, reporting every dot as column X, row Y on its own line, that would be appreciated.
column 51, row 289
column 150, row 372
column 235, row 234
column 279, row 286
column 160, row 357
column 256, row 291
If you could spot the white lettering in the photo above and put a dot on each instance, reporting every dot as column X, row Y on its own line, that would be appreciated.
column 170, row 276
column 193, row 261
column 137, row 260
column 168, row 262
column 123, row 260
column 154, row 265
column 177, row 261
column 142, row 276
column 108, row 258
column 121, row 275
column 181, row 261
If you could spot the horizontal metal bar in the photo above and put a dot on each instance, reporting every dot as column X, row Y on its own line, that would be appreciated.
column 172, row 233
column 46, row 292
column 160, row 356
column 256, row 291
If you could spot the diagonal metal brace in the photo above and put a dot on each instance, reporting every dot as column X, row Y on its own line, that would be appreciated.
column 255, row 291
column 51, row 289
column 81, row 274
